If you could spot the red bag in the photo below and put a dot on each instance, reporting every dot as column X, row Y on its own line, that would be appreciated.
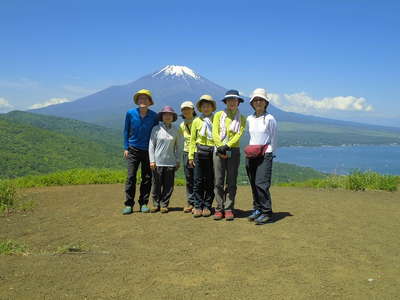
column 254, row 151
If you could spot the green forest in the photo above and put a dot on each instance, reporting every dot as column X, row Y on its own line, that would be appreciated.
column 32, row 144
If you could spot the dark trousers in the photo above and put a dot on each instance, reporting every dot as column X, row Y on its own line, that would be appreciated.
column 189, row 176
column 203, row 182
column 259, row 171
column 135, row 158
column 163, row 185
column 226, row 173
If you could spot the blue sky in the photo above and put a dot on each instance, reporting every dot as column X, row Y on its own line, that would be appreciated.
column 332, row 58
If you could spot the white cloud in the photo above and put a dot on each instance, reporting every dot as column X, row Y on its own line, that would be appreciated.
column 5, row 105
column 303, row 103
column 51, row 101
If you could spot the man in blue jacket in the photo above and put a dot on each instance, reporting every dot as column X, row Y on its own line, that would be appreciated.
column 138, row 125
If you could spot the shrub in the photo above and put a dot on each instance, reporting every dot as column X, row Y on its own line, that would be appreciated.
column 356, row 181
column 8, row 196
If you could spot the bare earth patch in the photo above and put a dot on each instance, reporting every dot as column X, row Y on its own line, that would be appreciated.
column 327, row 244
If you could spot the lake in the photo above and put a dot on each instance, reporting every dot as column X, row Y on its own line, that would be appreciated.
column 384, row 159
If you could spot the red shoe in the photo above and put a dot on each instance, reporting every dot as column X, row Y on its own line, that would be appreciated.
column 218, row 215
column 229, row 215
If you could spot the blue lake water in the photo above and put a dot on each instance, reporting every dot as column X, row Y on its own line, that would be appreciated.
column 344, row 159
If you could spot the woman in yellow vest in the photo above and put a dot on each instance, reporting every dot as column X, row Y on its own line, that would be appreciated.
column 201, row 152
column 188, row 114
column 228, row 127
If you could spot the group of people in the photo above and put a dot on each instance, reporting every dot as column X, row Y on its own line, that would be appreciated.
column 208, row 144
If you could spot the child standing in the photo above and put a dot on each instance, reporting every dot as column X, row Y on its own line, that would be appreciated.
column 164, row 153
column 201, row 156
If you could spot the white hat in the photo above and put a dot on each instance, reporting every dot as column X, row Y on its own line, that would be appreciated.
column 187, row 104
column 261, row 93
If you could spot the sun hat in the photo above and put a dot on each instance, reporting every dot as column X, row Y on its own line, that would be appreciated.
column 168, row 109
column 187, row 104
column 232, row 94
column 260, row 93
column 206, row 98
column 143, row 92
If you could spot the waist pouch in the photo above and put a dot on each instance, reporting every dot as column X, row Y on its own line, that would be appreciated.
column 254, row 151
column 204, row 152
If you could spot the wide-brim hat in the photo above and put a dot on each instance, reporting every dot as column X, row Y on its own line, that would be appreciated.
column 259, row 93
column 168, row 109
column 187, row 104
column 206, row 98
column 232, row 94
column 143, row 92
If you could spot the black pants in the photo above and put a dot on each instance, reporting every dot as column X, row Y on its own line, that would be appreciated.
column 203, row 182
column 189, row 176
column 136, row 157
column 259, row 171
column 163, row 185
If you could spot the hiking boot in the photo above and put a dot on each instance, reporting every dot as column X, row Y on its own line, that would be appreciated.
column 256, row 213
column 164, row 210
column 188, row 209
column 155, row 209
column 206, row 212
column 218, row 215
column 127, row 210
column 145, row 209
column 264, row 219
column 197, row 213
column 229, row 215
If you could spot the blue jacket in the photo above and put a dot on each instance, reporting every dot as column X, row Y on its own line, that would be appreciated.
column 138, row 130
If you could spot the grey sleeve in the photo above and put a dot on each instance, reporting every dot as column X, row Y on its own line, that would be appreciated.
column 152, row 144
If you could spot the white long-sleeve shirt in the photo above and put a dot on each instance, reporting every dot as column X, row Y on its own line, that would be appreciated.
column 165, row 146
column 262, row 130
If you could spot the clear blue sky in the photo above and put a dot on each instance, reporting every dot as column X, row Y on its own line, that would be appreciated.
column 307, row 50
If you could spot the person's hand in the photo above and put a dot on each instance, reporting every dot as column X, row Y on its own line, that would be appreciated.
column 178, row 164
column 223, row 149
column 191, row 163
column 153, row 165
column 126, row 153
column 223, row 156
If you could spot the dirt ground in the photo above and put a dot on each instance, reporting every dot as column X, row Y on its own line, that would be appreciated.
column 324, row 245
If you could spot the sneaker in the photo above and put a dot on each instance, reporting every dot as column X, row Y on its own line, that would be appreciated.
column 229, row 215
column 197, row 213
column 188, row 209
column 155, row 209
column 256, row 213
column 127, row 210
column 164, row 210
column 145, row 209
column 218, row 215
column 206, row 212
column 264, row 219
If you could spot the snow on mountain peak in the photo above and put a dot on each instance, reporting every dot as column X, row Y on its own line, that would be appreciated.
column 172, row 70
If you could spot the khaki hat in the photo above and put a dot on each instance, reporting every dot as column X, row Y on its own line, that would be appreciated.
column 187, row 104
column 206, row 98
column 143, row 92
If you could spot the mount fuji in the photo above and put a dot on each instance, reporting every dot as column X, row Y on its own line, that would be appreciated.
column 170, row 86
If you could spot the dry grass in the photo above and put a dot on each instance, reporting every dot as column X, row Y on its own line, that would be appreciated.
column 328, row 244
